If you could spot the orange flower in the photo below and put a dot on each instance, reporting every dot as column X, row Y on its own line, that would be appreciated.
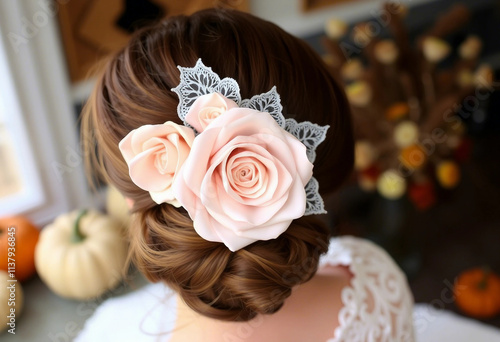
column 448, row 174
column 413, row 157
column 397, row 111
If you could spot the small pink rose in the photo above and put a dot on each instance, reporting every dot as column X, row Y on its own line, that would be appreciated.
column 206, row 108
column 244, row 179
column 154, row 155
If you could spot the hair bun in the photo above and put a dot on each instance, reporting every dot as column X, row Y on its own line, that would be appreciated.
column 218, row 283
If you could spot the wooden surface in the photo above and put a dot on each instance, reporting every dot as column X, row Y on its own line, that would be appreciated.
column 90, row 31
column 311, row 5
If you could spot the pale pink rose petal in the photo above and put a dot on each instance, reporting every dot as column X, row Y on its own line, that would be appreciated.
column 236, row 240
column 228, row 162
column 243, row 122
column 237, row 215
column 214, row 192
column 257, row 152
column 195, row 166
column 146, row 132
column 246, row 175
column 293, row 208
column 165, row 196
column 294, row 159
column 304, row 167
column 153, row 168
column 186, row 133
column 204, row 225
column 176, row 152
column 125, row 147
column 274, row 177
column 245, row 171
column 209, row 114
column 186, row 197
column 206, row 108
column 225, row 209
column 144, row 174
column 169, row 130
column 229, row 238
column 219, row 233
column 250, row 179
column 285, row 165
column 167, row 157
column 255, row 144
column 266, row 231
column 154, row 154
column 276, row 189
column 131, row 144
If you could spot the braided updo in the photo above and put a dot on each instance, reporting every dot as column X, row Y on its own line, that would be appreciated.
column 134, row 89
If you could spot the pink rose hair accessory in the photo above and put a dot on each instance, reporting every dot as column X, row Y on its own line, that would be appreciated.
column 240, row 169
column 244, row 179
column 154, row 155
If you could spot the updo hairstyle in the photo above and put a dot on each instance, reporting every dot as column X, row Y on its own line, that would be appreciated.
column 134, row 89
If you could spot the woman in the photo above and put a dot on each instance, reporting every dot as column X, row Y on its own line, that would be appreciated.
column 239, row 255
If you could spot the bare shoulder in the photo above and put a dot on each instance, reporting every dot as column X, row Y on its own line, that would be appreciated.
column 313, row 308
column 309, row 314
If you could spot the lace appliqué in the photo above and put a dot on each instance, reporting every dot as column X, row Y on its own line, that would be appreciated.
column 314, row 202
column 378, row 304
column 201, row 80
column 269, row 102
column 310, row 134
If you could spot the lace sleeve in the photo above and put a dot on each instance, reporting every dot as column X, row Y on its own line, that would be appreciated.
column 377, row 305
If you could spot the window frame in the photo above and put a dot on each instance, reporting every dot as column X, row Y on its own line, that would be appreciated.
column 31, row 194
column 41, row 90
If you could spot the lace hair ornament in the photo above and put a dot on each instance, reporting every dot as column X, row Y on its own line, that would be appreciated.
column 240, row 169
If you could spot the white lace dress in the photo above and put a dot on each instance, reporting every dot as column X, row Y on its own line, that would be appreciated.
column 378, row 304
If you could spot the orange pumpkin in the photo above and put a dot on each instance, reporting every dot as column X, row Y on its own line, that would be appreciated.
column 477, row 293
column 23, row 240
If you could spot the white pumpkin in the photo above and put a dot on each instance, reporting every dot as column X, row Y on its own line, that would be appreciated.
column 81, row 255
column 117, row 206
column 11, row 298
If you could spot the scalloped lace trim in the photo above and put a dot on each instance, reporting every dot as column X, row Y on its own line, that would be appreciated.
column 378, row 304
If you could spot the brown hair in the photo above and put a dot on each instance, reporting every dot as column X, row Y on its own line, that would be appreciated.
column 135, row 89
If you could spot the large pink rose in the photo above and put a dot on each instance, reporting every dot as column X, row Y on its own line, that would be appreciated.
column 206, row 108
column 244, row 179
column 155, row 154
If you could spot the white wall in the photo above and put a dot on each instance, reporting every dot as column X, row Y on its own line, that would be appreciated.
column 35, row 58
column 288, row 14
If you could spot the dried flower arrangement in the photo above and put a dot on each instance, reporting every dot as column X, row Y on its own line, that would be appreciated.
column 405, row 98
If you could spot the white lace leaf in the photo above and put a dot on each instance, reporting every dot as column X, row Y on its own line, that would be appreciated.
column 229, row 88
column 314, row 202
column 310, row 134
column 201, row 80
column 269, row 102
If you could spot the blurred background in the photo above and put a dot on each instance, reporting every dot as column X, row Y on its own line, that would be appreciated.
column 422, row 77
